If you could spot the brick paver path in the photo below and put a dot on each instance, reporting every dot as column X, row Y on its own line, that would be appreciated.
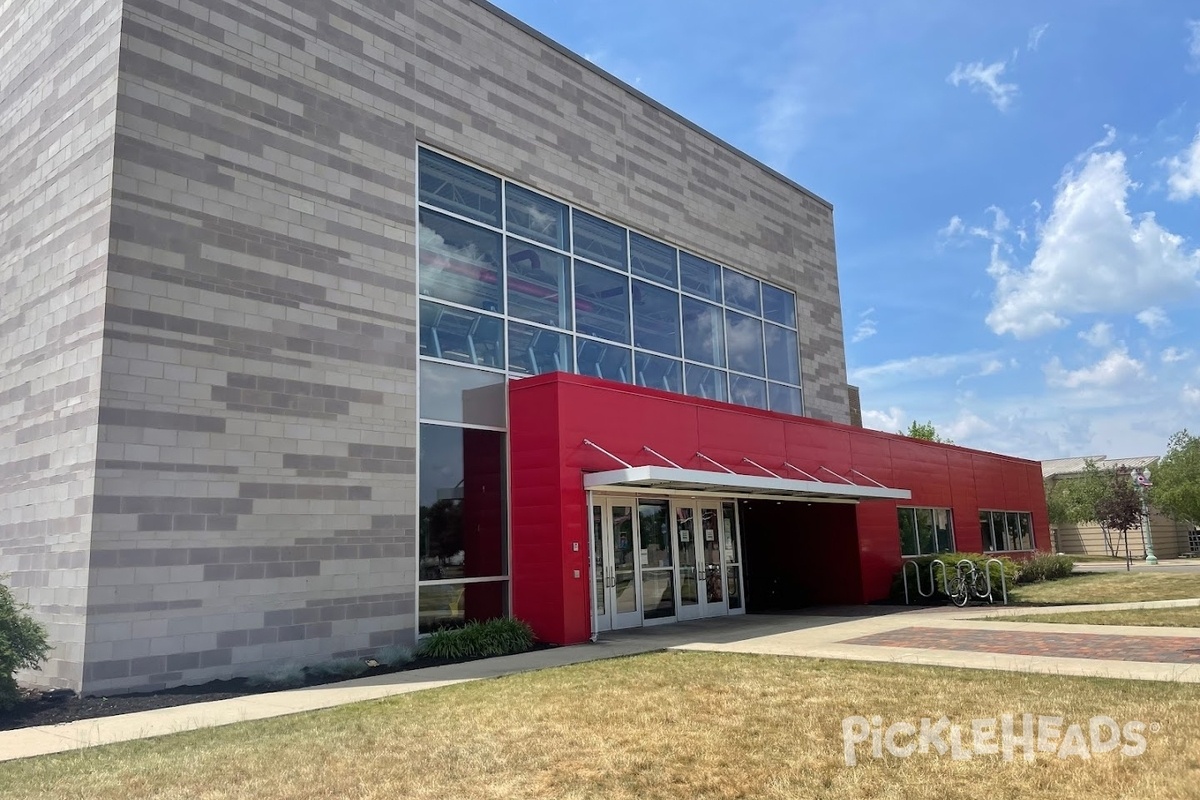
column 1115, row 647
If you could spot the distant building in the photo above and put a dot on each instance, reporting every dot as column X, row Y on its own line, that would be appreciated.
column 1169, row 539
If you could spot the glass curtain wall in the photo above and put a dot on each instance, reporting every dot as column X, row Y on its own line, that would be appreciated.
column 516, row 282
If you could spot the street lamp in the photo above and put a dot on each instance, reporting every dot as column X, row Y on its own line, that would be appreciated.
column 1141, row 479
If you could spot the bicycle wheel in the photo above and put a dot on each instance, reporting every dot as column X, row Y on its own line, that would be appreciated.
column 958, row 590
column 979, row 585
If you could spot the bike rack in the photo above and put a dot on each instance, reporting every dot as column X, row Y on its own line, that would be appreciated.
column 958, row 569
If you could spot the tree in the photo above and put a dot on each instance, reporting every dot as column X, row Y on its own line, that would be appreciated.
column 1176, row 490
column 924, row 431
column 23, row 645
column 1075, row 499
column 1121, row 507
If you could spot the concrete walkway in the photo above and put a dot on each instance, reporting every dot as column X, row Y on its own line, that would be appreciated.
column 824, row 633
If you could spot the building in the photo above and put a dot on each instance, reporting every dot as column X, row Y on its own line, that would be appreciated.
column 1169, row 538
column 269, row 274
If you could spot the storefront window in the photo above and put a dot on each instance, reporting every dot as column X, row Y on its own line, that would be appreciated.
column 925, row 531
column 460, row 262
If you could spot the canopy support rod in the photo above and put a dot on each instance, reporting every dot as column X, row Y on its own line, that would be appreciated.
column 714, row 463
column 869, row 478
column 802, row 472
column 760, row 466
column 839, row 477
column 660, row 455
column 592, row 444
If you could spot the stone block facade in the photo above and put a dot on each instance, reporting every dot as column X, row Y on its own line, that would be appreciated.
column 208, row 410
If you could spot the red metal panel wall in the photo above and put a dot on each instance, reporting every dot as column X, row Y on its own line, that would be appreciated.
column 551, row 415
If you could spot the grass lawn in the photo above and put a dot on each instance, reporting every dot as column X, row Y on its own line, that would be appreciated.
column 1108, row 587
column 1155, row 617
column 687, row 725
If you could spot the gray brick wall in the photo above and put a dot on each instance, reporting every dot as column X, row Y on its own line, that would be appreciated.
column 254, row 446
column 58, row 73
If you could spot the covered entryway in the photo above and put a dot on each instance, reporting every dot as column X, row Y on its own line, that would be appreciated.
column 659, row 559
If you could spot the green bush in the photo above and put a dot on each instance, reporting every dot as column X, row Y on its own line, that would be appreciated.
column 495, row 637
column 951, row 560
column 395, row 656
column 23, row 645
column 1045, row 568
column 336, row 670
column 286, row 676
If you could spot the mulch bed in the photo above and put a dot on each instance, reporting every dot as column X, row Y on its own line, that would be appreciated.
column 62, row 705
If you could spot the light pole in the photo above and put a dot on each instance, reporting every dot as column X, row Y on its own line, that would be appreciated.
column 1141, row 479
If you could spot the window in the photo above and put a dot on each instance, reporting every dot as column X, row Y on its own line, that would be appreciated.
column 925, row 531
column 1006, row 530
column 516, row 282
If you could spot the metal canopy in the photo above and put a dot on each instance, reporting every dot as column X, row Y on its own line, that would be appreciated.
column 735, row 484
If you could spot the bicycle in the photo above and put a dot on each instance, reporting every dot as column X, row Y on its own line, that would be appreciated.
column 966, row 582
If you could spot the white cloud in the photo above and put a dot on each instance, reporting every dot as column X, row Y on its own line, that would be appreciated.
column 1154, row 318
column 991, row 367
column 953, row 228
column 968, row 426
column 987, row 79
column 1099, row 335
column 866, row 326
column 890, row 420
column 1190, row 395
column 781, row 126
column 1093, row 256
column 917, row 367
column 1194, row 44
column 1183, row 180
column 1114, row 370
column 1035, row 36
column 1173, row 355
column 1110, row 136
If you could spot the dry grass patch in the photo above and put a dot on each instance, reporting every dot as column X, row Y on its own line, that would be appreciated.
column 695, row 725
column 1108, row 587
column 1154, row 617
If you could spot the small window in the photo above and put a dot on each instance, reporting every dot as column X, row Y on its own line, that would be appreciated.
column 536, row 217
column 741, row 292
column 539, row 284
column 653, row 260
column 925, row 531
column 601, row 303
column 779, row 305
column 460, row 262
column 603, row 360
column 783, row 354
column 655, row 318
column 784, row 399
column 705, row 382
column 703, row 333
column 699, row 277
column 657, row 372
column 532, row 351
column 747, row 391
column 744, row 341
column 1003, row 531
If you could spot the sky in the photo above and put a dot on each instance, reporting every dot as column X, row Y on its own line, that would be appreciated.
column 1016, row 192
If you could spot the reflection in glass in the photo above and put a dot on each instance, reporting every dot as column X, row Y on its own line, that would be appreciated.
column 536, row 217
column 459, row 262
column 653, row 260
column 710, row 542
column 453, row 605
column 735, row 586
column 744, row 342
column 598, row 556
column 741, row 292
column 456, row 334
column 704, row 382
column 460, row 394
column 462, row 519
column 779, row 305
column 601, row 303
column 685, row 532
column 943, row 530
column 532, row 351
column 600, row 241
column 783, row 355
column 985, row 531
column 907, row 519
column 999, row 536
column 1014, row 530
column 539, row 285
column 657, row 372
column 703, row 333
column 603, row 360
column 624, row 559
column 699, row 277
column 925, row 538
column 747, row 391
column 658, row 577
column 655, row 318
column 729, row 532
column 784, row 399
column 458, row 188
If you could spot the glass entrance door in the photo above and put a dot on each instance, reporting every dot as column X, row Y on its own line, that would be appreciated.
column 657, row 561
column 714, row 593
column 615, row 583
column 691, row 573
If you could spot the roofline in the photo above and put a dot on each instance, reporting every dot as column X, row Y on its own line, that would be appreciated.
column 583, row 62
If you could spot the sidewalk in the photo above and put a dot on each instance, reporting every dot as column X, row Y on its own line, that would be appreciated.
column 825, row 633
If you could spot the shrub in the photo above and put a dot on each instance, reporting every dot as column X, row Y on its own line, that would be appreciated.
column 395, row 656
column 288, row 676
column 23, row 645
column 1006, row 564
column 336, row 670
column 496, row 637
column 1045, row 568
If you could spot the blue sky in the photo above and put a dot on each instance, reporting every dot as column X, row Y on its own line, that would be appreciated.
column 1016, row 190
